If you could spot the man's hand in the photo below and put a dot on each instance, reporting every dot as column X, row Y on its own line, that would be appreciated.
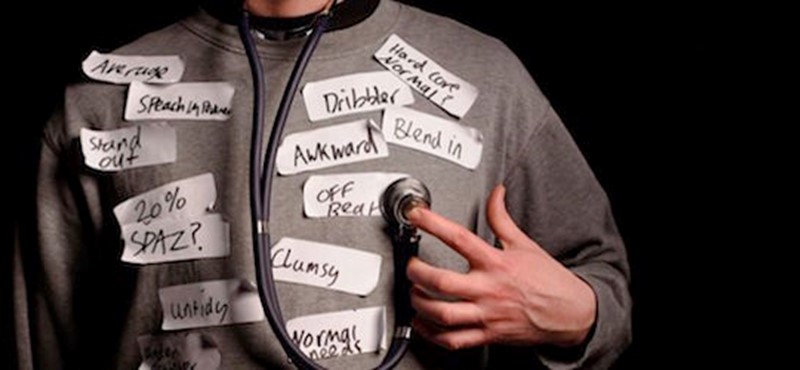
column 518, row 295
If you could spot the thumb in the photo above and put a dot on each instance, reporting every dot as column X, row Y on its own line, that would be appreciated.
column 500, row 221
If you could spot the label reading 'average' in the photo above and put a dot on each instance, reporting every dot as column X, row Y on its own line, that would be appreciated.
column 130, row 147
column 443, row 88
column 205, row 101
column 122, row 69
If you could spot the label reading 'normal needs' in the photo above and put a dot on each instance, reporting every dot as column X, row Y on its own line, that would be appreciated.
column 346, row 195
column 209, row 303
column 361, row 92
column 131, row 147
column 325, row 266
column 433, row 135
column 342, row 333
column 443, row 88
column 184, row 351
column 330, row 146
column 205, row 101
column 122, row 69
column 176, row 239
column 184, row 198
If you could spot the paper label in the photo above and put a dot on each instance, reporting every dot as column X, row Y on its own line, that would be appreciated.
column 205, row 101
column 433, row 135
column 325, row 266
column 209, row 303
column 346, row 195
column 185, row 351
column 188, row 197
column 342, row 333
column 122, row 69
column 443, row 88
column 361, row 92
column 179, row 239
column 330, row 146
column 130, row 147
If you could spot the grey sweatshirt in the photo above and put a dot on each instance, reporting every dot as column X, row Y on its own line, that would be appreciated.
column 85, row 308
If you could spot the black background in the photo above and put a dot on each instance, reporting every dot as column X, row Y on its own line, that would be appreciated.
column 653, row 95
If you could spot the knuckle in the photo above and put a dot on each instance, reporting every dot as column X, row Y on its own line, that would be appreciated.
column 461, row 237
column 450, row 342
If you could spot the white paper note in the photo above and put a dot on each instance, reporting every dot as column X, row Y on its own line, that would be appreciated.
column 130, row 147
column 205, row 101
column 433, row 135
column 330, row 146
column 343, row 333
column 122, row 69
column 184, row 198
column 361, row 92
column 443, row 88
column 185, row 351
column 346, row 195
column 176, row 239
column 209, row 303
column 326, row 266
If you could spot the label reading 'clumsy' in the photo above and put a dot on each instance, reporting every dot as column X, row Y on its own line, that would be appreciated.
column 346, row 195
column 433, row 135
column 443, row 88
column 325, row 266
column 183, row 198
column 337, row 334
column 122, row 69
column 205, row 101
column 209, row 303
column 184, row 351
column 130, row 147
column 330, row 146
column 361, row 92
column 176, row 239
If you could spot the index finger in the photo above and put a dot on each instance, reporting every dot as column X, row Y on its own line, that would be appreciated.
column 463, row 241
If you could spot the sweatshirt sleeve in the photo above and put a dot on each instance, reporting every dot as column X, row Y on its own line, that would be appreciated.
column 555, row 198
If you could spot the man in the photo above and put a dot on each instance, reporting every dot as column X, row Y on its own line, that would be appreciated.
column 522, row 257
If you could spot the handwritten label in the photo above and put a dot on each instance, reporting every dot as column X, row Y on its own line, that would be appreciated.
column 131, row 147
column 433, row 135
column 188, row 197
column 443, row 88
column 180, row 239
column 330, row 146
column 122, row 69
column 209, row 303
column 346, row 195
column 325, row 266
column 205, row 101
column 343, row 333
column 179, row 351
column 361, row 92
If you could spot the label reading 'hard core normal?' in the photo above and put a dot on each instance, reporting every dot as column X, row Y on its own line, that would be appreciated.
column 361, row 92
column 126, row 148
column 443, row 88
column 330, row 146
column 122, row 69
column 326, row 266
column 209, row 303
column 183, row 198
column 346, row 195
column 337, row 334
column 433, row 135
column 179, row 351
column 204, row 101
column 176, row 239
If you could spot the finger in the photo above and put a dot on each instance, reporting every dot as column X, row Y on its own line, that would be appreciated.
column 503, row 226
column 463, row 241
column 442, row 281
column 445, row 313
column 451, row 339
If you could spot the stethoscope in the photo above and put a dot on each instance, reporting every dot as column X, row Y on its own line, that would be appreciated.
column 399, row 197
